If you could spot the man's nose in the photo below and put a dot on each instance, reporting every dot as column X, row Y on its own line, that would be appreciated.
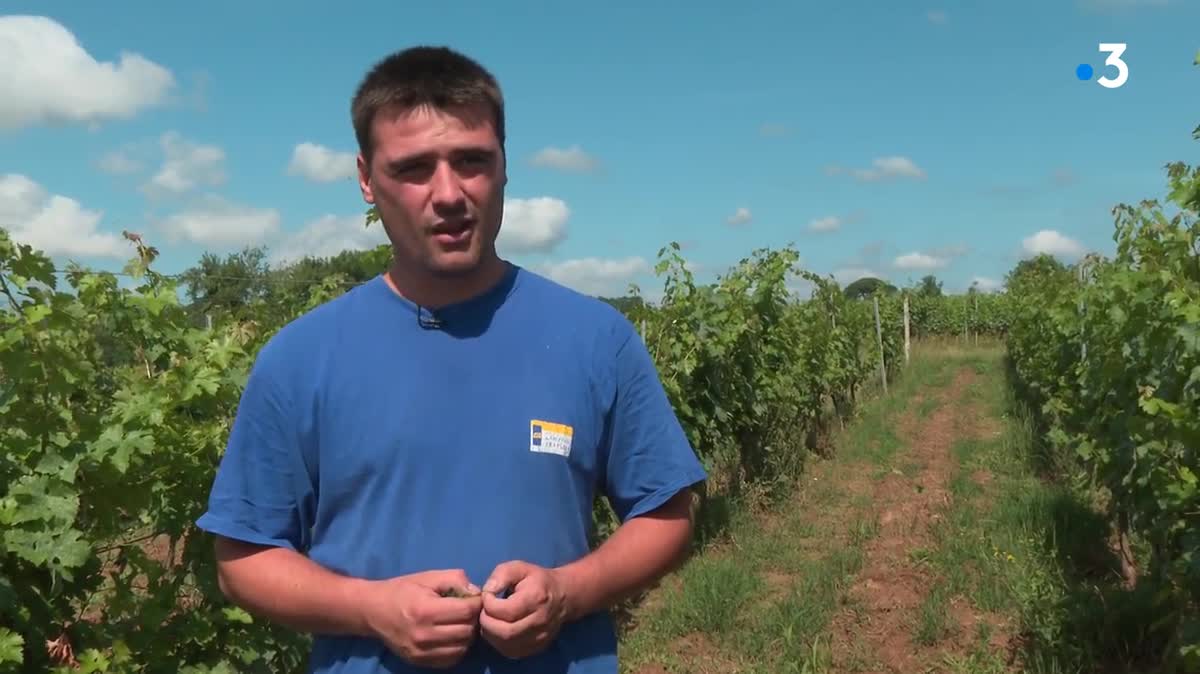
column 447, row 188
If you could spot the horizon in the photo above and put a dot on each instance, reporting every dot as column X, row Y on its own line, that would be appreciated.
column 976, row 147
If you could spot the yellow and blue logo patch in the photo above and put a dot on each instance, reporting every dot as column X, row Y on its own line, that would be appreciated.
column 550, row 438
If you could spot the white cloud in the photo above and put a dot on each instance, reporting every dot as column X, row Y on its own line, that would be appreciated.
column 936, row 16
column 321, row 164
column 327, row 236
column 533, row 225
column 919, row 261
column 186, row 166
column 847, row 275
column 119, row 163
column 986, row 285
column 1051, row 242
column 829, row 223
column 883, row 168
column 569, row 159
column 220, row 223
column 48, row 78
column 740, row 217
column 52, row 223
column 931, row 259
column 596, row 276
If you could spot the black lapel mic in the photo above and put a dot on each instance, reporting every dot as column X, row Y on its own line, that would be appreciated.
column 431, row 322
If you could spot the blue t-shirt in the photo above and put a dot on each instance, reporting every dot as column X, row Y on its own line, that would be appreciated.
column 381, row 445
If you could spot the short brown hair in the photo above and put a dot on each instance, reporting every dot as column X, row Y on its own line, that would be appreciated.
column 424, row 76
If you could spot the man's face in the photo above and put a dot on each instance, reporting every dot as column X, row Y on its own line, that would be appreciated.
column 437, row 178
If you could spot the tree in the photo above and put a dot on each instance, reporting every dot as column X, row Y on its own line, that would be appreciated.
column 929, row 287
column 1033, row 272
column 866, row 286
column 625, row 305
column 226, row 287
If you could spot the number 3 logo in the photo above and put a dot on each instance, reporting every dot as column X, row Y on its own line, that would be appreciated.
column 1114, row 51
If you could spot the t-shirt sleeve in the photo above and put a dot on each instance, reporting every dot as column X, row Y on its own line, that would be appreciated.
column 261, row 493
column 649, row 456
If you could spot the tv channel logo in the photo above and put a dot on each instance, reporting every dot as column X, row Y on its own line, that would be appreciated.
column 1115, row 51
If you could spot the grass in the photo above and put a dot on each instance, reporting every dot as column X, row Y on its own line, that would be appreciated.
column 1015, row 571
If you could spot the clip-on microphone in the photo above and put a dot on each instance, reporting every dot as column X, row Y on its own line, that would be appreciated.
column 430, row 323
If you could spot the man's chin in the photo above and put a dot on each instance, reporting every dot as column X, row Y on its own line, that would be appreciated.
column 456, row 264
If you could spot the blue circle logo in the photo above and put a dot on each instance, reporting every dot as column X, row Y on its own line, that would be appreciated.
column 1084, row 72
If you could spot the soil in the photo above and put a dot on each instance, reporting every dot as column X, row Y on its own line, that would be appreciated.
column 887, row 594
column 875, row 628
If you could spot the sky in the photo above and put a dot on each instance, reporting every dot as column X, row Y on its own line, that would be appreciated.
column 880, row 139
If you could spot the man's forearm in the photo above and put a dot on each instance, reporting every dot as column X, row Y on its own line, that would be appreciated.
column 638, row 553
column 287, row 587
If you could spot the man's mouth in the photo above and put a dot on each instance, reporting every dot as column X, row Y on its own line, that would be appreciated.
column 453, row 232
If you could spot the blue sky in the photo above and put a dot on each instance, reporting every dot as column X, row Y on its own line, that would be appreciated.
column 891, row 139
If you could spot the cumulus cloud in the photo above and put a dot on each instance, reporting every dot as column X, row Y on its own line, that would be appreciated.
column 740, row 217
column 49, row 78
column 119, row 162
column 52, row 223
column 1051, row 242
column 929, row 260
column 985, row 284
column 186, row 166
column 936, row 16
column 596, row 276
column 882, row 168
column 572, row 159
column 327, row 236
column 321, row 164
column 829, row 223
column 833, row 223
column 217, row 222
column 847, row 275
column 535, row 225
column 919, row 261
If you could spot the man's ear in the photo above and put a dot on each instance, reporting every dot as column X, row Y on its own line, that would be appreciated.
column 364, row 179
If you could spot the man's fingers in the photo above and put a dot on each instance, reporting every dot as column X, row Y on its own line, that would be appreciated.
column 512, row 608
column 454, row 610
column 443, row 637
column 502, row 629
column 446, row 580
column 506, row 576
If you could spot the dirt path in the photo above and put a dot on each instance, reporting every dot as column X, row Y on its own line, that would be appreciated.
column 888, row 625
column 877, row 628
column 841, row 579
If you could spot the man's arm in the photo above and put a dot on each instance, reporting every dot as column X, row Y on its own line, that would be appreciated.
column 640, row 551
column 286, row 587
column 408, row 613
column 260, row 510
column 634, row 557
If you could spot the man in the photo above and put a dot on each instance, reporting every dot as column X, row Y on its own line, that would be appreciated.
column 411, row 472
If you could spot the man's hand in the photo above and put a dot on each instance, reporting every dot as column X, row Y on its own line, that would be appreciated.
column 528, row 619
column 428, row 619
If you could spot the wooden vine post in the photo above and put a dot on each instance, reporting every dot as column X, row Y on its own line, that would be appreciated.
column 879, row 338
